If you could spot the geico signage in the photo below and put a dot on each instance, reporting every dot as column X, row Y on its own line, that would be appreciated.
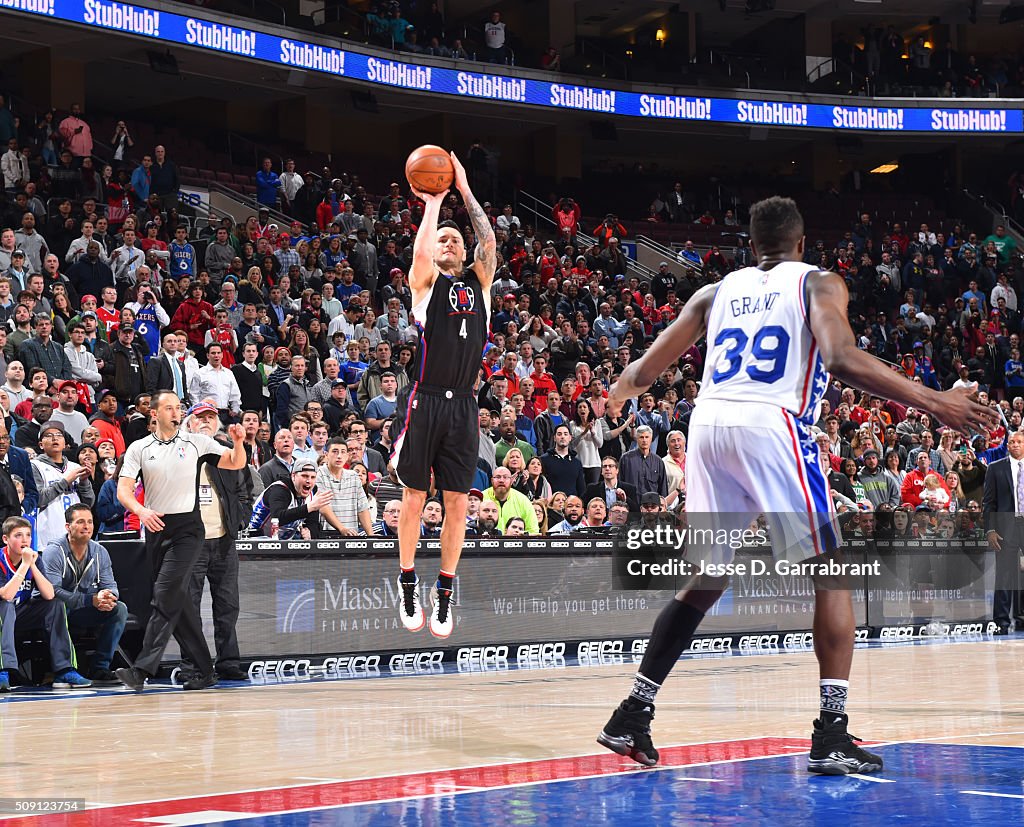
column 967, row 629
column 482, row 654
column 897, row 633
column 798, row 640
column 759, row 642
column 597, row 648
column 262, row 668
column 464, row 666
column 413, row 661
column 540, row 651
column 350, row 663
column 711, row 644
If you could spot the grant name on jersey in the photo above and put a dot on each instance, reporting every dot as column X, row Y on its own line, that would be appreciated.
column 752, row 304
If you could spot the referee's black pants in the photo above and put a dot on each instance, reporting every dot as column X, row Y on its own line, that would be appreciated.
column 218, row 563
column 172, row 553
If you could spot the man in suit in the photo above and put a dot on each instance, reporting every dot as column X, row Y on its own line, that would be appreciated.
column 611, row 489
column 165, row 372
column 1003, row 508
column 14, row 462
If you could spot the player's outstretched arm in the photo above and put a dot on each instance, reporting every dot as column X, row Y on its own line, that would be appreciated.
column 485, row 258
column 423, row 270
column 829, row 299
column 667, row 348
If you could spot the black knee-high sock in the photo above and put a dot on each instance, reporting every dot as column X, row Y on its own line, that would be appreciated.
column 672, row 632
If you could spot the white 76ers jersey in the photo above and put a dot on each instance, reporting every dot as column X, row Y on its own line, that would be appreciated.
column 760, row 345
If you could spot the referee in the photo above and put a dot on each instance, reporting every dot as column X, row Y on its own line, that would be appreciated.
column 174, row 533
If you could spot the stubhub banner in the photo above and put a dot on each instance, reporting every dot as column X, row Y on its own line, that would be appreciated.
column 169, row 27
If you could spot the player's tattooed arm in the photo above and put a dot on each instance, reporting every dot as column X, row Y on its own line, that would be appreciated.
column 486, row 246
column 485, row 257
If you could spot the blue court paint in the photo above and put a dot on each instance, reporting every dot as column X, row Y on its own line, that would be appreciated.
column 929, row 784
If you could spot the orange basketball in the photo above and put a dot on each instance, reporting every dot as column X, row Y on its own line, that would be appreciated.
column 429, row 169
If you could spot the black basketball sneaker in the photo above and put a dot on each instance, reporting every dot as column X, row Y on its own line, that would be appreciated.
column 833, row 751
column 628, row 732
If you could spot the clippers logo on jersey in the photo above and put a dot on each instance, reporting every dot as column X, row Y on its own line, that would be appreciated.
column 461, row 298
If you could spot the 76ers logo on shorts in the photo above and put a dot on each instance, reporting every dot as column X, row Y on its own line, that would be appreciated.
column 461, row 298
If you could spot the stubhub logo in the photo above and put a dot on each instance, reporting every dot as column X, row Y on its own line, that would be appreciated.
column 123, row 17
column 221, row 38
column 582, row 97
column 491, row 86
column 399, row 74
column 34, row 6
column 311, row 56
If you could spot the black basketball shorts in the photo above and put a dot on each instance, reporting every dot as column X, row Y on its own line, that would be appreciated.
column 437, row 429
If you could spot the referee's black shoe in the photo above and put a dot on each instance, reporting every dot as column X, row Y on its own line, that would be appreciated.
column 200, row 681
column 133, row 678
column 232, row 673
column 833, row 751
column 628, row 732
column 104, row 677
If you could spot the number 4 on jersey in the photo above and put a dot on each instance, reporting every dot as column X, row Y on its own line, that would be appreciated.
column 462, row 330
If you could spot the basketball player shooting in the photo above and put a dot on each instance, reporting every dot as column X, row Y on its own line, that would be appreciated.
column 437, row 412
column 774, row 332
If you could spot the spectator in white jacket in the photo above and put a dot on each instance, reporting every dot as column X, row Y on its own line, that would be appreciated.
column 80, row 245
column 15, row 166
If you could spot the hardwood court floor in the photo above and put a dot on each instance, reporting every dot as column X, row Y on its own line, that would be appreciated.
column 119, row 748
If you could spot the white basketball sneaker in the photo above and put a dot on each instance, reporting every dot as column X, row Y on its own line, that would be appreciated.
column 441, row 621
column 411, row 612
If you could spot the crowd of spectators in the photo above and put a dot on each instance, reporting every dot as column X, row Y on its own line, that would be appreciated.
column 894, row 64
column 305, row 334
column 889, row 62
column 388, row 24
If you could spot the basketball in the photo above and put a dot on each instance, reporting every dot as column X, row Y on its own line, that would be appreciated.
column 429, row 169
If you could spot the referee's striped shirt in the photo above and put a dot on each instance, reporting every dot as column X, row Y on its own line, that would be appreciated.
column 170, row 470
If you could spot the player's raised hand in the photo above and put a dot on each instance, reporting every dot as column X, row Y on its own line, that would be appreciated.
column 613, row 396
column 429, row 198
column 959, row 408
column 461, row 181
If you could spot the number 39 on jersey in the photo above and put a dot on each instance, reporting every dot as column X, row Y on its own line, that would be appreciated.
column 761, row 345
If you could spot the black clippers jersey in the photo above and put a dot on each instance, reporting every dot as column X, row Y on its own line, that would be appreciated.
column 454, row 331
